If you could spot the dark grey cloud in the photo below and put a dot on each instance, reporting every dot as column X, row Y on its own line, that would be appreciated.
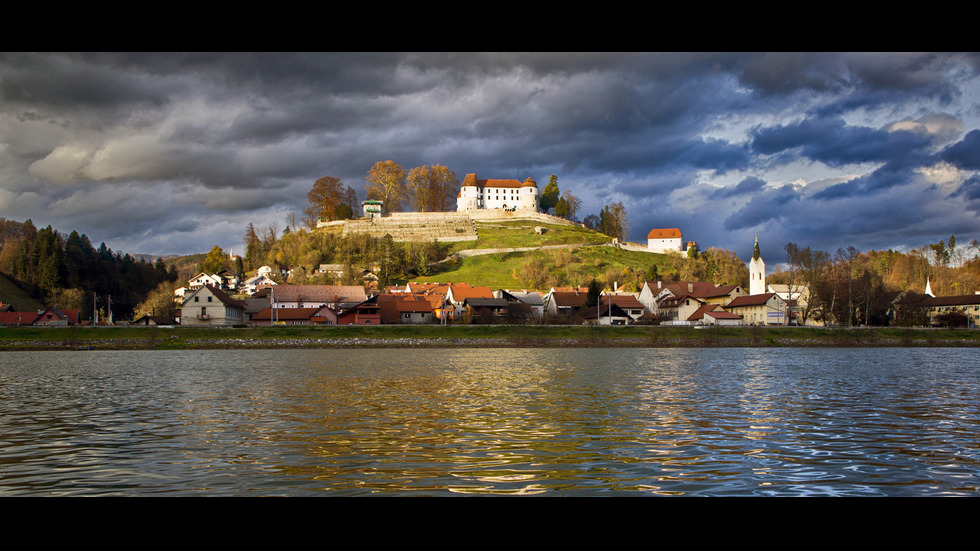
column 175, row 152
column 965, row 154
column 836, row 143
column 747, row 186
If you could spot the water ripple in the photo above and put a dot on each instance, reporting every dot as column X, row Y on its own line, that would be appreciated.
column 714, row 422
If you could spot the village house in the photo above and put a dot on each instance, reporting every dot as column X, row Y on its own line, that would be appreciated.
column 414, row 312
column 203, row 279
column 926, row 308
column 209, row 305
column 55, row 317
column 560, row 302
column 154, row 320
column 403, row 307
column 295, row 316
column 713, row 314
column 605, row 315
column 797, row 296
column 337, row 297
column 625, row 301
column 15, row 318
column 230, row 281
column 365, row 313
column 762, row 309
column 226, row 280
column 653, row 294
column 678, row 310
column 253, row 284
column 457, row 294
column 532, row 299
column 486, row 310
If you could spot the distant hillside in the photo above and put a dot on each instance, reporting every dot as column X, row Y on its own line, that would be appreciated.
column 11, row 293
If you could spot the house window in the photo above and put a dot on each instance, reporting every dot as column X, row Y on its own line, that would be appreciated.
column 209, row 299
column 197, row 299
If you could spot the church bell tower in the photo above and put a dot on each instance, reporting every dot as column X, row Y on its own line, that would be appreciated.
column 757, row 271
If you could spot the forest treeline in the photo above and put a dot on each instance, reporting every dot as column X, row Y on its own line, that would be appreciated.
column 68, row 272
column 849, row 287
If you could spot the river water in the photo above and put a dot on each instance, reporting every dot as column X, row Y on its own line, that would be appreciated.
column 439, row 422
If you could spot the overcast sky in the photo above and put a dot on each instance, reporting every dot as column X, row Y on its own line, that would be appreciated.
column 175, row 153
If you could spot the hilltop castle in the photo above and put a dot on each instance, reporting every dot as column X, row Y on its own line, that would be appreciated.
column 497, row 194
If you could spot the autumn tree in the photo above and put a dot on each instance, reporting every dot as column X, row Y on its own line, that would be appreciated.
column 386, row 183
column 431, row 188
column 613, row 221
column 572, row 204
column 443, row 185
column 808, row 269
column 159, row 302
column 417, row 185
column 327, row 194
column 214, row 261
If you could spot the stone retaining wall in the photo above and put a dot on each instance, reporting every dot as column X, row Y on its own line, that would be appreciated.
column 438, row 226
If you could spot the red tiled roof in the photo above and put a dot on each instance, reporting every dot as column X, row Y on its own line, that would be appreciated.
column 700, row 289
column 413, row 306
column 566, row 300
column 286, row 314
column 463, row 291
column 623, row 301
column 313, row 293
column 15, row 318
column 750, row 300
column 472, row 180
column 664, row 233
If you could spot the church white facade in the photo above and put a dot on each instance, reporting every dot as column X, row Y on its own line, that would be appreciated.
column 497, row 194
column 757, row 271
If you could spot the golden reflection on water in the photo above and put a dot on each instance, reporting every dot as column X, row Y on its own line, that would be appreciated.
column 490, row 421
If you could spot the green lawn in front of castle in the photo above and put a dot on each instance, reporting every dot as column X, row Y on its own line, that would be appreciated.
column 520, row 233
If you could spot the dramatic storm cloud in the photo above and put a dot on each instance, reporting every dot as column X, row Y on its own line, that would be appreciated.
column 175, row 153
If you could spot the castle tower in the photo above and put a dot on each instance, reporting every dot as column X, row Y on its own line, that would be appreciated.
column 757, row 271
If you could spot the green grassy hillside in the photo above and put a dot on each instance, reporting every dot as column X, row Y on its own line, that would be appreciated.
column 521, row 233
column 543, row 269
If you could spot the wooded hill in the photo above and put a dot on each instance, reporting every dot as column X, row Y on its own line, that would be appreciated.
column 67, row 272
column 563, row 255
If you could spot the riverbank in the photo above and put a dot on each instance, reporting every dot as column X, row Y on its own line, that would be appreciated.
column 473, row 336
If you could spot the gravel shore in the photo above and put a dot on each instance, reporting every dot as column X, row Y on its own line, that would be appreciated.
column 625, row 342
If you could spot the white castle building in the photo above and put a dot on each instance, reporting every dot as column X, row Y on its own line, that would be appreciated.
column 661, row 240
column 497, row 194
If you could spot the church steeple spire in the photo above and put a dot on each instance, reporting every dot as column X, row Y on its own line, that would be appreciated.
column 757, row 271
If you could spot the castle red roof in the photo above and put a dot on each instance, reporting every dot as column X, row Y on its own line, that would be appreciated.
column 664, row 233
